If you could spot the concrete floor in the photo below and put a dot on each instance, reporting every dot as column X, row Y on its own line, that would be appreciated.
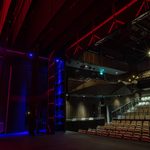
column 69, row 141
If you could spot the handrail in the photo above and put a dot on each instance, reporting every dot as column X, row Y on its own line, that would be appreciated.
column 122, row 106
column 133, row 103
column 128, row 106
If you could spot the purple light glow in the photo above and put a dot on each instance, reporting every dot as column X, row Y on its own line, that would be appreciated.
column 30, row 55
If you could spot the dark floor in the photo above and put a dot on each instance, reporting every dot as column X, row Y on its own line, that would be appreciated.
column 69, row 141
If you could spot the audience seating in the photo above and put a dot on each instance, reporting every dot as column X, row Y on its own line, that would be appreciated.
column 91, row 131
column 82, row 131
column 146, row 131
column 135, row 126
column 129, row 133
column 137, row 131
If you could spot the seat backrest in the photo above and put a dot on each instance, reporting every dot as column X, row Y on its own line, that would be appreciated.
column 137, row 117
column 147, row 117
column 133, row 123
column 142, row 116
column 146, row 124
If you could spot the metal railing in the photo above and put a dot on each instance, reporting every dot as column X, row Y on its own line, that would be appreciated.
column 130, row 106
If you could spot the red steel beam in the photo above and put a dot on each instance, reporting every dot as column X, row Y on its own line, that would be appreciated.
column 141, row 7
column 113, row 25
column 3, row 13
column 144, row 5
column 103, row 23
column 93, row 39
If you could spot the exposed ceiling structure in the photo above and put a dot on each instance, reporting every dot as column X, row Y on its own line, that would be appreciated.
column 129, row 43
column 48, row 25
column 112, row 29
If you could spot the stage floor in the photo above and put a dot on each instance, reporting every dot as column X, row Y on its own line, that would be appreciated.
column 69, row 141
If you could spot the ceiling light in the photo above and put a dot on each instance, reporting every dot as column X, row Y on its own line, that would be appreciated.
column 134, row 81
column 129, row 80
column 149, row 53
column 86, row 66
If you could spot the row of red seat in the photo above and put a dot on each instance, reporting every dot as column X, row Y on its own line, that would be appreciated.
column 135, row 130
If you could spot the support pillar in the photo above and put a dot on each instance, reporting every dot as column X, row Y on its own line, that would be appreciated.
column 56, row 94
column 107, row 114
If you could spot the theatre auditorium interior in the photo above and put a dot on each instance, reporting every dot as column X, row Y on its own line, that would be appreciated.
column 74, row 74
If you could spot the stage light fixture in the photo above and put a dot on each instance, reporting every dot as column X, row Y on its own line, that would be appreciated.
column 101, row 71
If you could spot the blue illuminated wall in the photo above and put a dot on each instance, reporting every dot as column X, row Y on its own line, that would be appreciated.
column 59, row 94
column 21, row 93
